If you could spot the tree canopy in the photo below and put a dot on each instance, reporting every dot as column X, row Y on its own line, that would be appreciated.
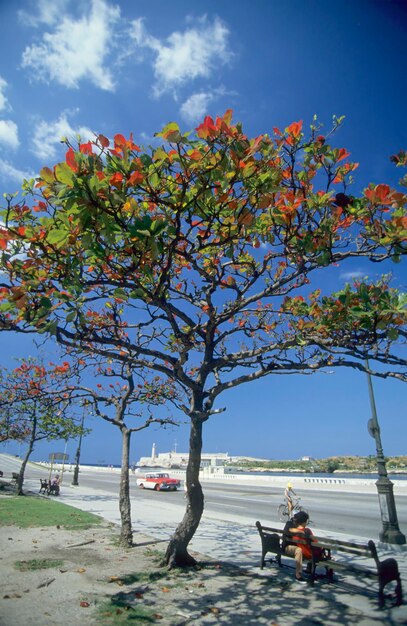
column 200, row 259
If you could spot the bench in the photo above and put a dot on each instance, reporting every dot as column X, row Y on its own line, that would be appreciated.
column 1, row 473
column 44, row 486
column 53, row 489
column 385, row 571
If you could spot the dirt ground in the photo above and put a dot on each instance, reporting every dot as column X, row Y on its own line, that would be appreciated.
column 94, row 581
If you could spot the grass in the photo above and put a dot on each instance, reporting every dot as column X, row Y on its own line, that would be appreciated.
column 34, row 564
column 30, row 511
column 118, row 613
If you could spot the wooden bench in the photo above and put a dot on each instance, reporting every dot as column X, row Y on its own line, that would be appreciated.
column 44, row 486
column 385, row 571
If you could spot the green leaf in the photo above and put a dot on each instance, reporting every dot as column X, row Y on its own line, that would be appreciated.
column 57, row 236
column 47, row 175
column 64, row 174
column 392, row 334
column 45, row 302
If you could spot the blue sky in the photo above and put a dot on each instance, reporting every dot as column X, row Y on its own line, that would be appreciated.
column 105, row 66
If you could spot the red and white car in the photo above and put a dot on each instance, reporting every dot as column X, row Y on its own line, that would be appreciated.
column 159, row 481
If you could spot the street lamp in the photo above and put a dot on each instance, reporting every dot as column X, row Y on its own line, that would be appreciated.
column 390, row 532
column 75, row 480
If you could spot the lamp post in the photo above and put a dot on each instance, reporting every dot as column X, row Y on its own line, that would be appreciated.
column 390, row 532
column 75, row 480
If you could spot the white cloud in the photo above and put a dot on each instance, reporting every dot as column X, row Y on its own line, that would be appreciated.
column 48, row 135
column 3, row 99
column 194, row 53
column 76, row 50
column 9, row 134
column 196, row 106
column 10, row 173
column 48, row 12
column 352, row 275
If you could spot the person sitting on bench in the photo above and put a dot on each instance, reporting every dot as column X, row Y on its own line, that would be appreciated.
column 299, row 550
column 54, row 487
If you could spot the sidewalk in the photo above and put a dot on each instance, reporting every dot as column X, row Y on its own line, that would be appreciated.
column 239, row 544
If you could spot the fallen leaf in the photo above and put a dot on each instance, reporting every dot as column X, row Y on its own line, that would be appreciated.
column 157, row 616
column 165, row 589
column 80, row 570
column 139, row 595
column 84, row 604
column 214, row 609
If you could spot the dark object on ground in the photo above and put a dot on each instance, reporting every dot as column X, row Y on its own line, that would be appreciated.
column 385, row 571
column 53, row 490
column 15, row 476
column 44, row 486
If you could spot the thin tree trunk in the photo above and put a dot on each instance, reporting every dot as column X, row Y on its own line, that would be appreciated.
column 126, row 534
column 20, row 481
column 177, row 550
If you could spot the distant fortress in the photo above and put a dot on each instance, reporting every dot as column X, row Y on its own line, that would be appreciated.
column 180, row 459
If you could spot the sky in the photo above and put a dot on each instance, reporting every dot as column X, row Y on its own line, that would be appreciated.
column 73, row 67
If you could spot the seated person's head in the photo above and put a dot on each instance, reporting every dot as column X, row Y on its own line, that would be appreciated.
column 301, row 518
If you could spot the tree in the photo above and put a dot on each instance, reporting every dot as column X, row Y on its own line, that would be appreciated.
column 34, row 406
column 128, row 396
column 194, row 259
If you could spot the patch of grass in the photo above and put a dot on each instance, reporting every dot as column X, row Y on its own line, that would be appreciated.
column 30, row 511
column 33, row 564
column 119, row 613
column 155, row 555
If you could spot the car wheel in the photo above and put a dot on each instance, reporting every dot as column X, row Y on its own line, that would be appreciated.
column 156, row 487
column 141, row 486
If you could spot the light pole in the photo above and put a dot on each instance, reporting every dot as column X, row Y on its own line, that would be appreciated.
column 390, row 532
column 75, row 480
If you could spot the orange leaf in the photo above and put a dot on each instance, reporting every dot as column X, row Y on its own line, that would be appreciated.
column 165, row 589
column 295, row 129
column 342, row 154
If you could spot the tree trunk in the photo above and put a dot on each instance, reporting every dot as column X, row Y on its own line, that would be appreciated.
column 126, row 534
column 20, row 481
column 177, row 552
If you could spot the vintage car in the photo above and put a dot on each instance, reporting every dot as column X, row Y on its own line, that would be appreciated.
column 159, row 481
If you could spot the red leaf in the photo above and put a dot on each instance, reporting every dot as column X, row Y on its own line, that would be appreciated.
column 135, row 178
column 70, row 160
column 104, row 142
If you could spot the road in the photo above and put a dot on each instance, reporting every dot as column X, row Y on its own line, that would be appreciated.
column 355, row 514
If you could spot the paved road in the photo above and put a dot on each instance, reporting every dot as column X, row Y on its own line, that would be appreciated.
column 350, row 513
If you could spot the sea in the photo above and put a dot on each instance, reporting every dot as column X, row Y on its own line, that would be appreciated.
column 372, row 476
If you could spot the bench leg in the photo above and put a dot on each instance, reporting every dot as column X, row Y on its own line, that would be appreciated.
column 399, row 593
